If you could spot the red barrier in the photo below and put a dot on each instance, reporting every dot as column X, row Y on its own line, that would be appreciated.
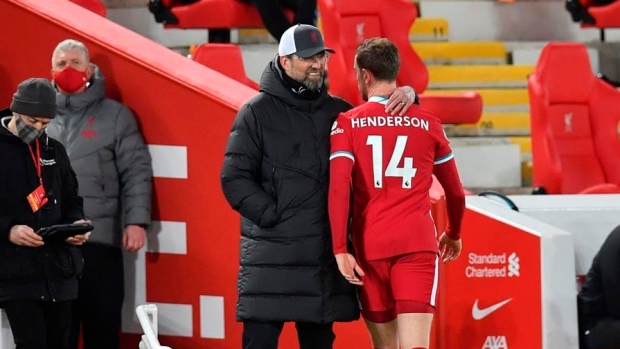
column 95, row 6
column 491, row 295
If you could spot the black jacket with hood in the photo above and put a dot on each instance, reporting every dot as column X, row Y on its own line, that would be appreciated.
column 275, row 174
column 49, row 272
column 599, row 298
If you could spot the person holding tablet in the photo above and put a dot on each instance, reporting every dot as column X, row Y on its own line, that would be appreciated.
column 38, row 189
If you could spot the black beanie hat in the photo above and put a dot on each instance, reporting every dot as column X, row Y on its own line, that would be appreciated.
column 35, row 97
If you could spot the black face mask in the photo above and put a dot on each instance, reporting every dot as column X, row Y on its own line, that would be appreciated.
column 27, row 133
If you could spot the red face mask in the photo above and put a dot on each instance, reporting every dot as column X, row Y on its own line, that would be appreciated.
column 70, row 79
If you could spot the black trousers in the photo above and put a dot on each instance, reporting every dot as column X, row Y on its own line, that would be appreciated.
column 605, row 334
column 274, row 18
column 100, row 298
column 39, row 325
column 265, row 335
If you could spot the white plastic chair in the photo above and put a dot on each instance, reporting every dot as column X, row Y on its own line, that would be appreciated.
column 147, row 315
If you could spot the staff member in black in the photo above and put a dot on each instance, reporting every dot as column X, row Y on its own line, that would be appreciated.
column 38, row 279
column 599, row 300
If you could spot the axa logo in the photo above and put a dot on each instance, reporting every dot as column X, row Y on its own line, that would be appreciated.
column 568, row 122
column 478, row 314
column 495, row 342
column 514, row 265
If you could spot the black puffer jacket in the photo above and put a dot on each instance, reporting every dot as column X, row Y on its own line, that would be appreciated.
column 276, row 175
column 49, row 272
column 599, row 298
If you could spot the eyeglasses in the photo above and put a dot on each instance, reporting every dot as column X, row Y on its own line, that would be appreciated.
column 320, row 58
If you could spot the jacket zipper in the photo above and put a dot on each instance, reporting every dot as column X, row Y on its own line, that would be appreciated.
column 273, row 182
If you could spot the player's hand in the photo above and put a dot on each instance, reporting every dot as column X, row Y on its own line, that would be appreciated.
column 134, row 237
column 400, row 100
column 349, row 268
column 448, row 248
column 23, row 235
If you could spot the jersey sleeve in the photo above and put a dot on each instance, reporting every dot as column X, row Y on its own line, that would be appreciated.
column 341, row 162
column 448, row 177
column 443, row 151
column 447, row 174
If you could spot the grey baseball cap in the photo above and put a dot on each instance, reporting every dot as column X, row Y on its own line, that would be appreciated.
column 302, row 40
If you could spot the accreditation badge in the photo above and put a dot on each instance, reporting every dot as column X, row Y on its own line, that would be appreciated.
column 37, row 198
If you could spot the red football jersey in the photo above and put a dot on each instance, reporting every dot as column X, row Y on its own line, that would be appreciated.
column 386, row 163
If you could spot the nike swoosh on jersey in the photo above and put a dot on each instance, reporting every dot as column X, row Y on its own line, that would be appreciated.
column 479, row 314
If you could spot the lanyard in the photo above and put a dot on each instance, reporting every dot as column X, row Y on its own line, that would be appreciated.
column 37, row 160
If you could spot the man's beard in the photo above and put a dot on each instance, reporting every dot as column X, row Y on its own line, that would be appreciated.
column 313, row 85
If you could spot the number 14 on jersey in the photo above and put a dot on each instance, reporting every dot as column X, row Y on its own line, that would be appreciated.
column 407, row 172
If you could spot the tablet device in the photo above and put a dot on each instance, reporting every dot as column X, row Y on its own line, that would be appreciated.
column 63, row 231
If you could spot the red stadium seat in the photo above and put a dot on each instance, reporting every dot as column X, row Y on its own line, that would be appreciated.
column 575, row 144
column 213, row 14
column 599, row 14
column 345, row 23
column 219, row 16
column 93, row 5
column 225, row 59
column 607, row 16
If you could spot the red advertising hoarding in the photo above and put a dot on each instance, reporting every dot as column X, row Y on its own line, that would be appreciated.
column 491, row 296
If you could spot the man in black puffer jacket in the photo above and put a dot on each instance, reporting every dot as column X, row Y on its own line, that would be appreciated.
column 599, row 301
column 38, row 188
column 275, row 174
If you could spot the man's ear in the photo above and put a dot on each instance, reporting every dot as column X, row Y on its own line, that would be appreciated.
column 90, row 71
column 367, row 76
column 285, row 63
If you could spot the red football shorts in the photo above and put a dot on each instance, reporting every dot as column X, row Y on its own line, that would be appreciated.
column 398, row 285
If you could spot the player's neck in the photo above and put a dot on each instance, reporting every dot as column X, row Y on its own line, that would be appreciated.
column 381, row 89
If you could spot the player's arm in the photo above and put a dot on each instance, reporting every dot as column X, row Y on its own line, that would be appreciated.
column 341, row 165
column 341, row 162
column 447, row 174
column 450, row 244
column 339, row 194
column 340, row 173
